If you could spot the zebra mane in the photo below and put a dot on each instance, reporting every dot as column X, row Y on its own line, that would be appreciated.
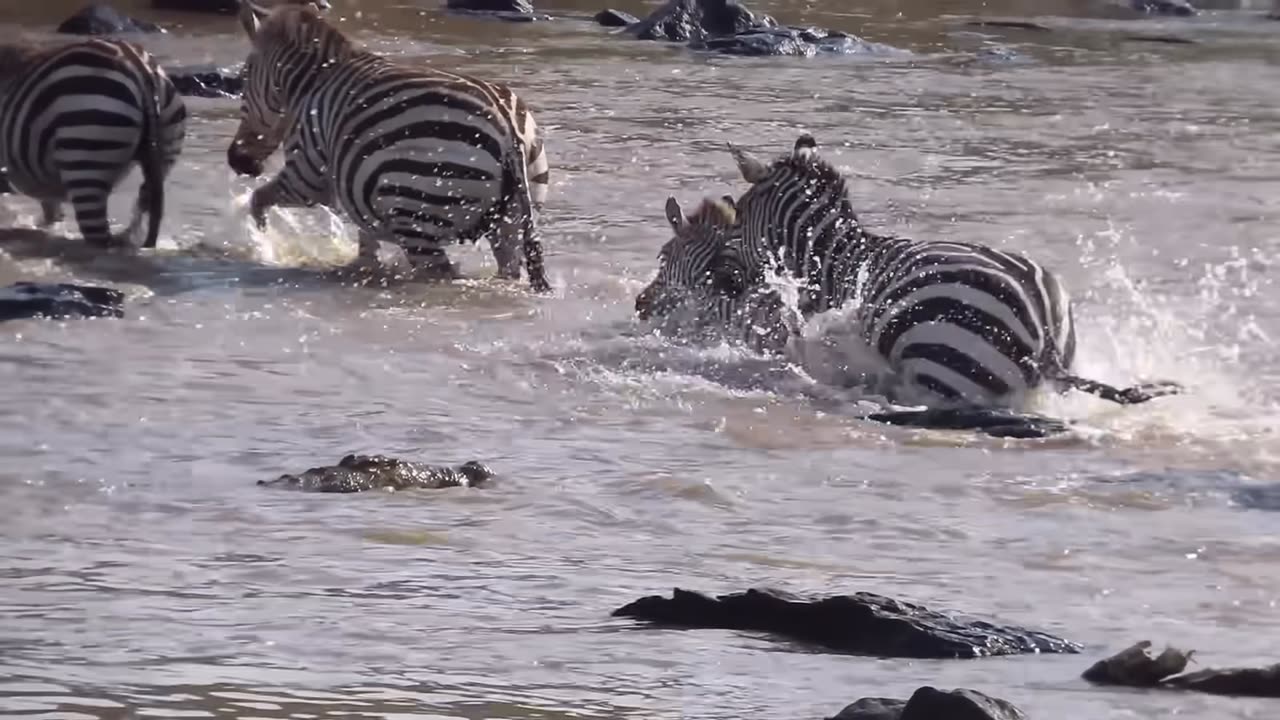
column 714, row 211
column 805, row 163
column 301, row 26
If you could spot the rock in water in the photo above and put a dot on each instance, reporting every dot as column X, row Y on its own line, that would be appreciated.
column 208, row 83
column 871, row 709
column 498, row 6
column 862, row 623
column 960, row 704
column 59, row 300
column 102, row 19
column 358, row 473
column 1252, row 682
column 683, row 20
column 615, row 18
column 1136, row 667
column 221, row 7
column 1179, row 8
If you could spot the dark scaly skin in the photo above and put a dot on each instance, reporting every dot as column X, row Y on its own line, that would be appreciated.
column 358, row 473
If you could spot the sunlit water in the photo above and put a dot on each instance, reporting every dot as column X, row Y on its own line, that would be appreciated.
column 144, row 572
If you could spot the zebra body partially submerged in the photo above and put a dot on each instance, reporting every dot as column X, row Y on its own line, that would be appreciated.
column 958, row 324
column 73, row 121
column 415, row 156
column 681, row 300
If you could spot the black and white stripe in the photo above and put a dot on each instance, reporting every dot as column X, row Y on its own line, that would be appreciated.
column 959, row 324
column 74, row 119
column 681, row 299
column 419, row 157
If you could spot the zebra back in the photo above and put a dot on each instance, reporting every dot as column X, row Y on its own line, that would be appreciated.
column 957, row 321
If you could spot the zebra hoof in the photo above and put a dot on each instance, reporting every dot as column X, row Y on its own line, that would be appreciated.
column 539, row 285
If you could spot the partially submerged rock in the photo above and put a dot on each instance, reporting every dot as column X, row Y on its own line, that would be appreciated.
column 685, row 20
column 960, row 704
column 59, row 300
column 221, row 7
column 508, row 10
column 862, row 623
column 615, row 18
column 208, row 83
column 358, row 473
column 929, row 703
column 506, row 6
column 791, row 41
column 102, row 19
column 1178, row 8
column 1252, row 682
column 1136, row 667
column 988, row 421
column 727, row 26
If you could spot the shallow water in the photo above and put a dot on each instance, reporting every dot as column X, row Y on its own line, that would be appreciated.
column 144, row 574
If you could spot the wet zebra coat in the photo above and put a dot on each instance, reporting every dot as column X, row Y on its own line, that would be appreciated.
column 959, row 324
column 682, row 289
column 73, row 121
column 412, row 155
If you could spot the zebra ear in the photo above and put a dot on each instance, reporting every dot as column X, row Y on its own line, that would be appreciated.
column 806, row 147
column 675, row 216
column 753, row 171
column 248, row 18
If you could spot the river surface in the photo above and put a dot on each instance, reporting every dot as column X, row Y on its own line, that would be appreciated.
column 143, row 574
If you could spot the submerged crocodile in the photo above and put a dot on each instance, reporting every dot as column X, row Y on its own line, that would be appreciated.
column 358, row 473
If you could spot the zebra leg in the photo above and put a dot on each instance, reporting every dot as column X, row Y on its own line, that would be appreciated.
column 89, row 202
column 432, row 264
column 52, row 211
column 1134, row 395
column 504, row 241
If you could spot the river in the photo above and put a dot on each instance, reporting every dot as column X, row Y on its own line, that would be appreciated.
column 143, row 574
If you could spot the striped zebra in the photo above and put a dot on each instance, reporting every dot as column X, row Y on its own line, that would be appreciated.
column 682, row 291
column 958, row 324
column 416, row 156
column 253, row 12
column 74, row 119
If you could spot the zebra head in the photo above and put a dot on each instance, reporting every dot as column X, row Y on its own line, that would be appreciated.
column 686, row 263
column 792, row 202
column 254, row 12
column 290, row 49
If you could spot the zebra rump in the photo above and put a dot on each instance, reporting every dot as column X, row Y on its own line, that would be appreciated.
column 958, row 324
column 417, row 156
column 682, row 301
column 73, row 121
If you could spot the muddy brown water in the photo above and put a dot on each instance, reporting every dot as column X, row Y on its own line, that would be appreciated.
column 142, row 573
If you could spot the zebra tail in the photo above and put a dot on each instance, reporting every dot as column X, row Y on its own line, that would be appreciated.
column 1132, row 395
column 151, row 157
column 523, row 195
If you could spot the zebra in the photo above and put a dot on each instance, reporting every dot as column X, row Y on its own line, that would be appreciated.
column 74, row 119
column 252, row 13
column 761, row 320
column 418, row 156
column 957, row 324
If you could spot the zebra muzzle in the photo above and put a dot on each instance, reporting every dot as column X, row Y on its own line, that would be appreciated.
column 242, row 162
